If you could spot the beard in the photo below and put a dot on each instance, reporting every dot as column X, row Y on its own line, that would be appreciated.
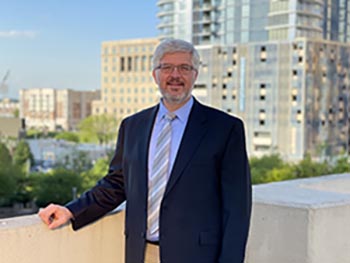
column 177, row 98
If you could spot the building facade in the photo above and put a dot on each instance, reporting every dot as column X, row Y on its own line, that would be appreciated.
column 9, row 108
column 126, row 77
column 225, row 22
column 52, row 109
column 283, row 66
column 292, row 95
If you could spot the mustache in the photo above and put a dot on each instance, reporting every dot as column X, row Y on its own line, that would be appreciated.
column 173, row 80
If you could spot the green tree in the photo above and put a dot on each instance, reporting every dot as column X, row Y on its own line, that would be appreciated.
column 22, row 193
column 100, row 128
column 309, row 168
column 22, row 154
column 283, row 173
column 56, row 186
column 91, row 176
column 261, row 166
column 342, row 165
column 77, row 161
column 16, row 113
column 5, row 156
column 13, row 179
column 68, row 136
column 7, row 184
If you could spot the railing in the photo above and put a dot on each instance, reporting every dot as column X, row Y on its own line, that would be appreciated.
column 303, row 221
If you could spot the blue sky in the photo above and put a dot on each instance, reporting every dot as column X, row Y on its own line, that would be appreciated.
column 57, row 43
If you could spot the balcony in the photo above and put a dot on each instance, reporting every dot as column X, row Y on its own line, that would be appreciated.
column 303, row 221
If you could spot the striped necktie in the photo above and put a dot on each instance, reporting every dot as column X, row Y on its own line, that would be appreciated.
column 159, row 177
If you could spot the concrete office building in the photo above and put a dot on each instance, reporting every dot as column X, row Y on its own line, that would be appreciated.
column 127, row 85
column 292, row 95
column 51, row 109
column 126, row 80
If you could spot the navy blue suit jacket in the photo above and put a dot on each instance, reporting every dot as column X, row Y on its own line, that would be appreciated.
column 206, row 207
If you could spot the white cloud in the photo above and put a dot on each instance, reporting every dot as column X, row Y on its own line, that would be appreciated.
column 18, row 34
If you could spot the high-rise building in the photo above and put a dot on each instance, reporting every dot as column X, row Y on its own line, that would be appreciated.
column 226, row 22
column 126, row 80
column 292, row 95
column 283, row 66
column 52, row 109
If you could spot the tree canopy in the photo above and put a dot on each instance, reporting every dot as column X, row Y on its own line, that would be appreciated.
column 68, row 136
column 101, row 128
column 57, row 187
column 22, row 154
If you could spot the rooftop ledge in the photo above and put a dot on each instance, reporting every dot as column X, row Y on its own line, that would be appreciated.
column 302, row 221
column 316, row 192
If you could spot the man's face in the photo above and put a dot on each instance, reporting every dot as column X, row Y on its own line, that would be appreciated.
column 175, row 84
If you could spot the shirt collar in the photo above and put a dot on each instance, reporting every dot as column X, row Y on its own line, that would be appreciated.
column 181, row 113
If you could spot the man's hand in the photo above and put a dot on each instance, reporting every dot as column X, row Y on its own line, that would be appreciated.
column 55, row 215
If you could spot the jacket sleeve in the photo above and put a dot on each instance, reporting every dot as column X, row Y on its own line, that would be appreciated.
column 106, row 195
column 236, row 197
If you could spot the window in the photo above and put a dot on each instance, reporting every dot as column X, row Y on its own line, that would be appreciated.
column 150, row 62
column 262, row 117
column 136, row 63
column 299, row 116
column 129, row 64
column 122, row 64
column 263, row 54
column 262, row 91
column 143, row 63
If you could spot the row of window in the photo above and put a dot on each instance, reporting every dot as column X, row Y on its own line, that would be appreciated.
column 132, row 63
column 116, row 111
column 129, row 100
column 127, row 79
column 115, row 50
column 128, row 90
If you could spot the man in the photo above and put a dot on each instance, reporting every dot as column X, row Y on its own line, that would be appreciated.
column 182, row 168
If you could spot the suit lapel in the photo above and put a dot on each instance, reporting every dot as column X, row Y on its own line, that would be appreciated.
column 193, row 134
column 146, row 126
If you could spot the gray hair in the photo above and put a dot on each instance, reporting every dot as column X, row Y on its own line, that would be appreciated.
column 172, row 46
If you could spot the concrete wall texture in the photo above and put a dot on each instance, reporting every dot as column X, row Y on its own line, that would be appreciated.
column 299, row 221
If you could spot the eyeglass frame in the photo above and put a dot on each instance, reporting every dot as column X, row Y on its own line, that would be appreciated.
column 178, row 67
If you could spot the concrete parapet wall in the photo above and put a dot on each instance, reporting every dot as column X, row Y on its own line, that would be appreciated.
column 27, row 240
column 299, row 221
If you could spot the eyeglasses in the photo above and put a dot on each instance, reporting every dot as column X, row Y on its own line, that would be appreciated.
column 183, row 69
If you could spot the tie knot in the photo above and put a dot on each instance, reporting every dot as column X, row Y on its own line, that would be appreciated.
column 170, row 116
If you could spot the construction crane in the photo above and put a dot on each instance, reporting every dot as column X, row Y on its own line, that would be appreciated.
column 3, row 84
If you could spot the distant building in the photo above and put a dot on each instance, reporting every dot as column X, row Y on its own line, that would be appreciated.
column 11, row 127
column 9, row 107
column 48, row 153
column 126, row 77
column 53, row 109
column 294, row 96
